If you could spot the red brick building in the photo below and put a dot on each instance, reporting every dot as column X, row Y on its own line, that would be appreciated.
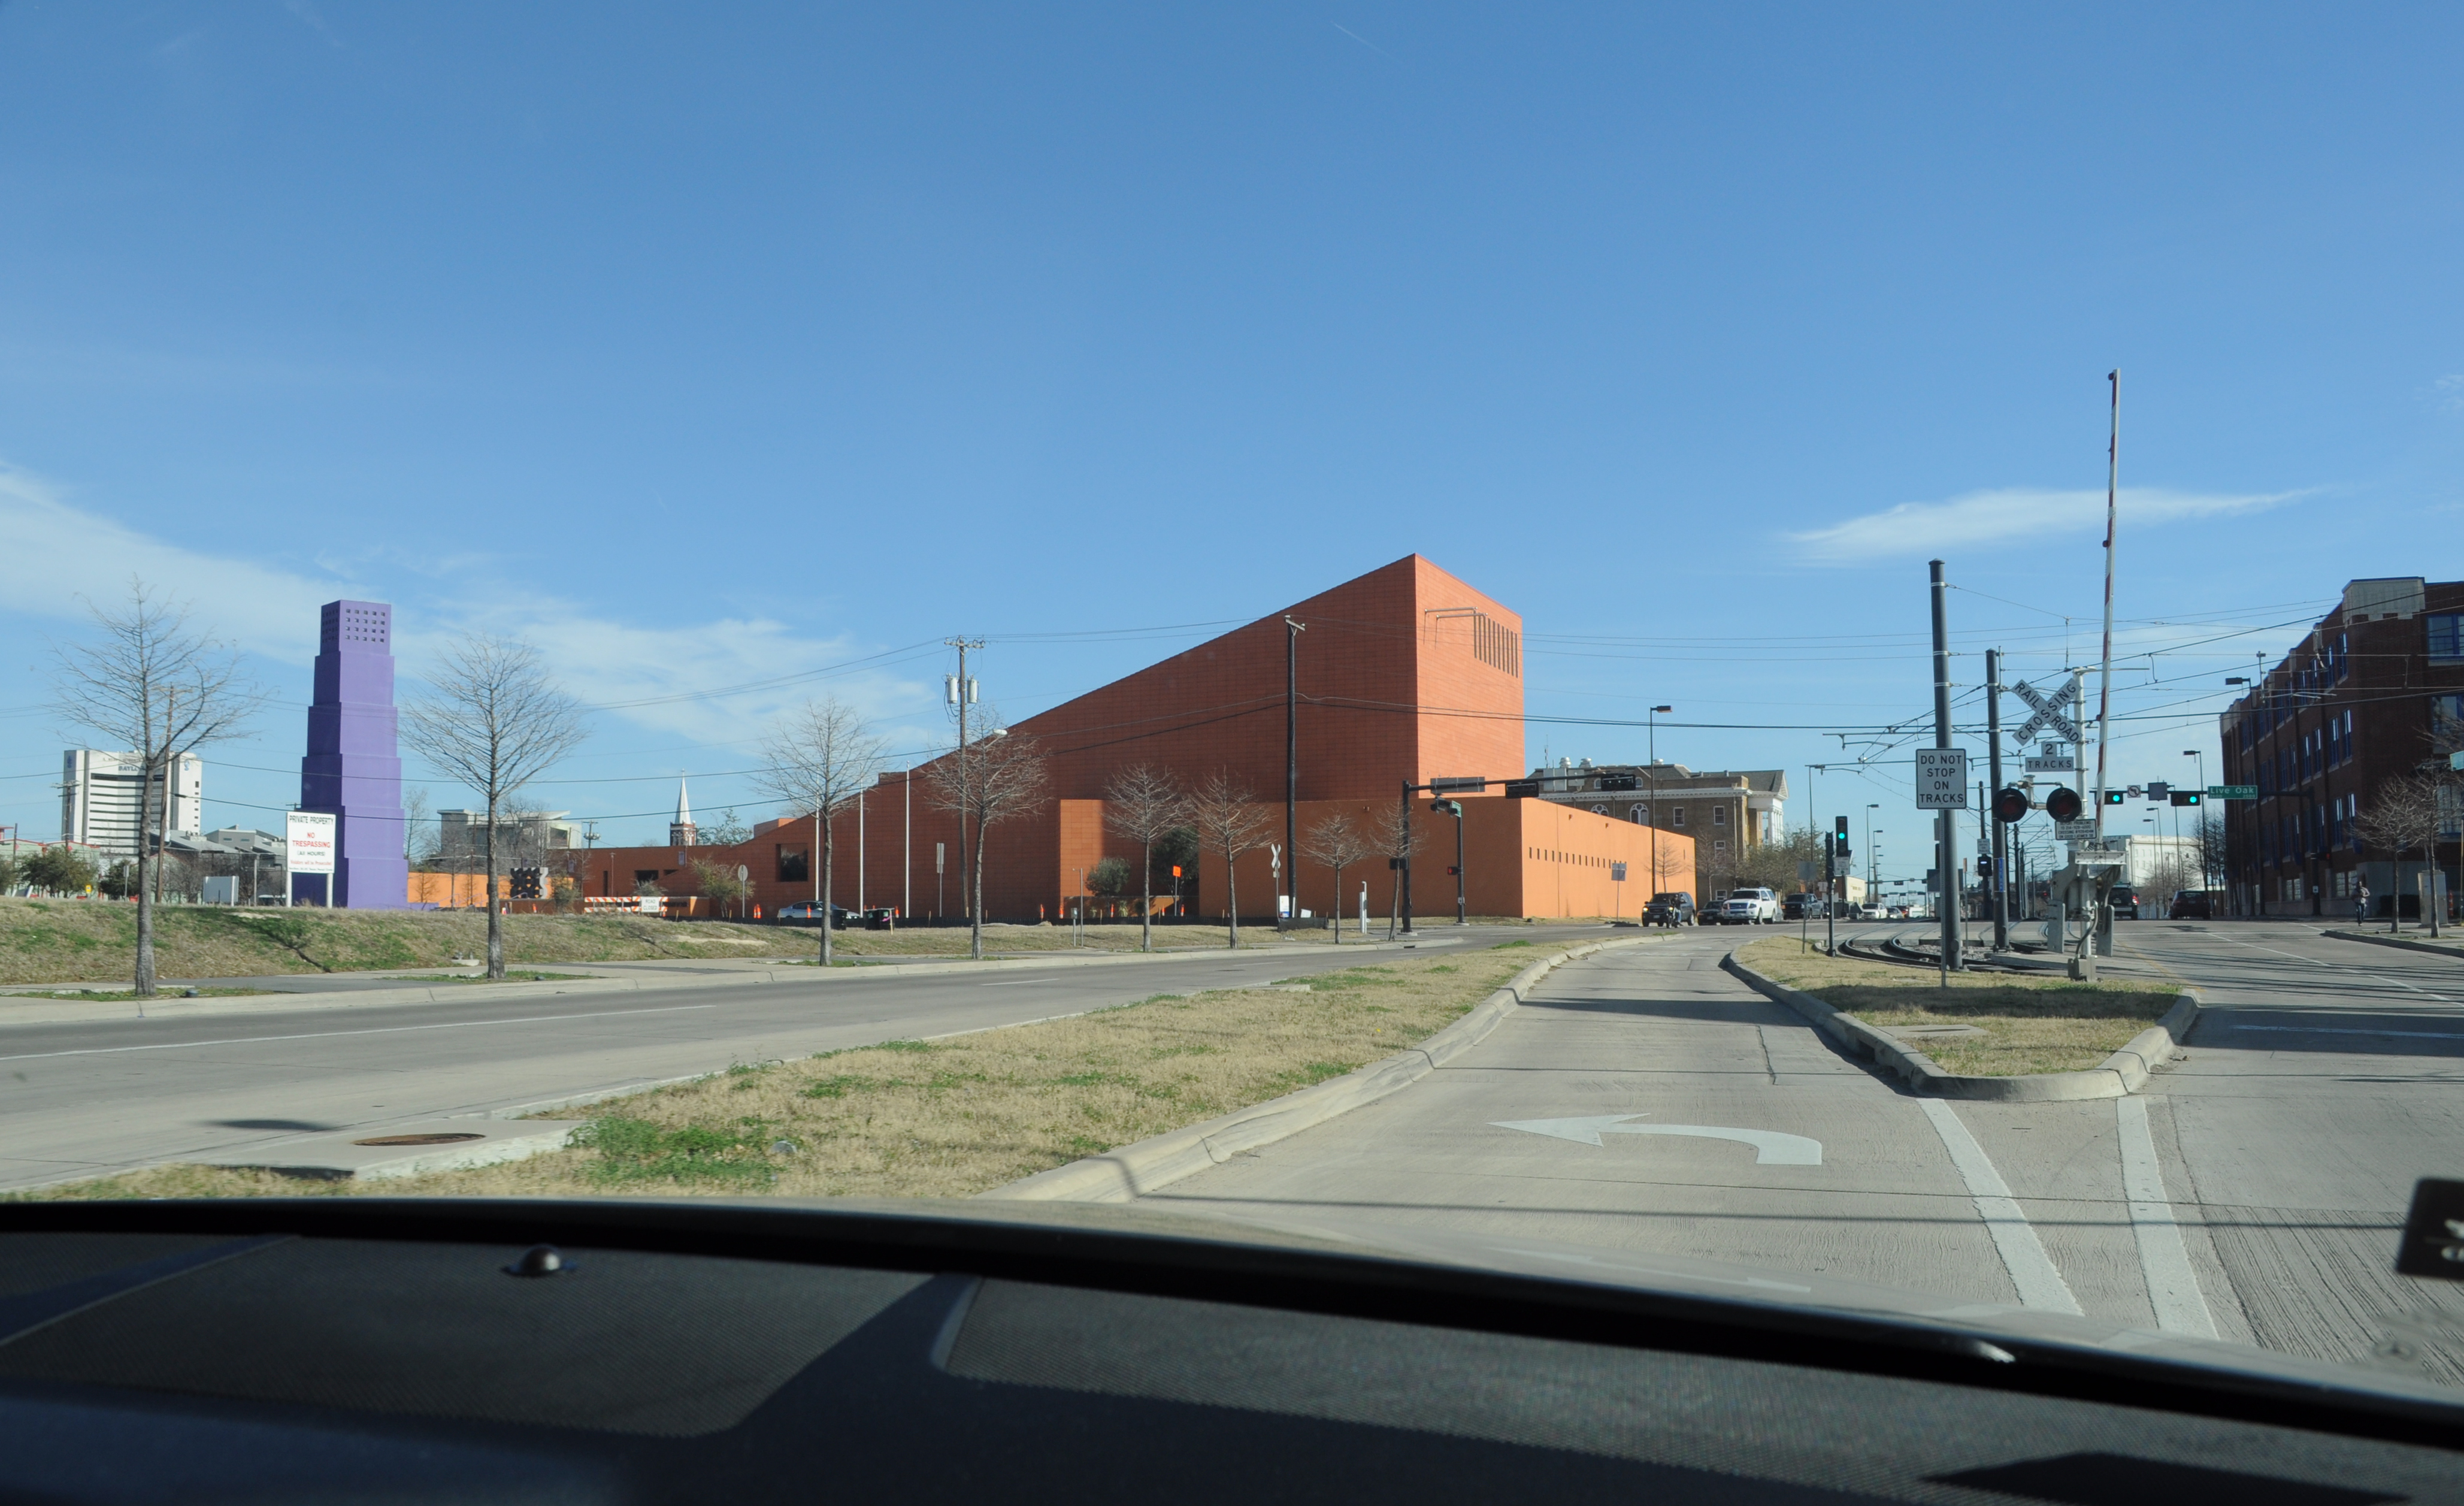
column 1403, row 673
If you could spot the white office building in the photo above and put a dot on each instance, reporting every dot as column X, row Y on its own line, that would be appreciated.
column 101, row 795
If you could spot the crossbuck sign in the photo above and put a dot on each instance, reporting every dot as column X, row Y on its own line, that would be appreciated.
column 1941, row 779
column 2049, row 716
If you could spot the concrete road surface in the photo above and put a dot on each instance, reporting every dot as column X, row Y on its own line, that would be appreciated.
column 1647, row 1102
column 88, row 1099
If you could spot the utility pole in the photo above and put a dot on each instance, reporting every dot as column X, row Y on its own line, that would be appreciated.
column 1945, row 834
column 2104, row 675
column 1292, row 631
column 962, row 694
column 2001, row 839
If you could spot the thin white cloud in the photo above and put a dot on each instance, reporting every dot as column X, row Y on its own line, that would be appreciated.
column 2451, row 392
column 2009, row 515
column 62, row 558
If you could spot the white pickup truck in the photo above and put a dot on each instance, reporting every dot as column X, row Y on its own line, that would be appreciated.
column 1748, row 907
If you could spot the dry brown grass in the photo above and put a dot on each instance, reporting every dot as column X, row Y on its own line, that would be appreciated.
column 956, row 1116
column 2030, row 1025
column 73, row 941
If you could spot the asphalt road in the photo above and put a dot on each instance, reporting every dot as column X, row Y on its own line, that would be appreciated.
column 2252, row 1194
column 91, row 1098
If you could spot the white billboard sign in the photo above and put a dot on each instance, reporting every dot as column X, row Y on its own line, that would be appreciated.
column 312, row 841
column 1941, row 779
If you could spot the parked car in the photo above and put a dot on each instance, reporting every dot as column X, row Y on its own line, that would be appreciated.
column 2192, row 904
column 1749, row 907
column 2125, row 900
column 1804, row 907
column 1674, row 908
column 841, row 916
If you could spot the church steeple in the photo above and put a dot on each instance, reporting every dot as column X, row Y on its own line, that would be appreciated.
column 680, row 831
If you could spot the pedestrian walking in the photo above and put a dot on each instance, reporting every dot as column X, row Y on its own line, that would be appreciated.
column 2362, row 904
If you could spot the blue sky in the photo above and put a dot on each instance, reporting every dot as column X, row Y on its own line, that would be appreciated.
column 709, row 345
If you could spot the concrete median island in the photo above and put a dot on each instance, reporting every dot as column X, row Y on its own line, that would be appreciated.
column 1985, row 1024
column 955, row 1116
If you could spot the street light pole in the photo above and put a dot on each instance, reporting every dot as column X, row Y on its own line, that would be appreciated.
column 1292, row 630
column 2199, row 823
column 1652, row 772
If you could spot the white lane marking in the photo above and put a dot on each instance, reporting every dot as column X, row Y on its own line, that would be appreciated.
column 2347, row 1029
column 2039, row 1282
column 317, row 1035
column 2316, row 962
column 2172, row 1285
column 1772, row 1148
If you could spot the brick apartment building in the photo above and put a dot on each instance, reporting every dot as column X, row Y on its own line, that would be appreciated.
column 1406, row 672
column 2373, row 690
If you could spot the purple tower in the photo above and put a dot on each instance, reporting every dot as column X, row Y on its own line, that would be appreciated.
column 354, row 766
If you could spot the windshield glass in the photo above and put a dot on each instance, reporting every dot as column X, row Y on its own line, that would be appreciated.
column 831, row 604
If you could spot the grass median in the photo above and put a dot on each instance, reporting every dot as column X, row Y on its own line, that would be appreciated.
column 2028, row 1025
column 956, row 1116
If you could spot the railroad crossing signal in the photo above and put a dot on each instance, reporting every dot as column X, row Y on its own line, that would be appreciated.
column 2063, row 803
column 2049, row 712
column 2011, row 804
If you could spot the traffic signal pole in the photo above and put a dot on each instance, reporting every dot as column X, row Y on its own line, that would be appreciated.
column 2001, row 838
column 1945, row 834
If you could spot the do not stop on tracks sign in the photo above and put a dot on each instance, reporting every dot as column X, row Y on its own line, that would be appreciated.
column 1941, row 779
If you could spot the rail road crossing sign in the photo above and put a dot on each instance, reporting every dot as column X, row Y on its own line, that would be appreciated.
column 2075, row 830
column 1941, row 779
column 2049, row 715
column 2050, row 763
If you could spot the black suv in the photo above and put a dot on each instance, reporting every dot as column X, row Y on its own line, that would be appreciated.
column 1676, row 908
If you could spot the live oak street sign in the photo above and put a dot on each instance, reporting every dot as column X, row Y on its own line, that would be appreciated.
column 1941, row 779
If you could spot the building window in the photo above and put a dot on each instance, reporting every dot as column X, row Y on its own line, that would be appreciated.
column 1720, row 846
column 794, row 867
column 2447, row 635
column 1719, row 815
column 1677, row 815
column 1599, row 811
column 1642, row 814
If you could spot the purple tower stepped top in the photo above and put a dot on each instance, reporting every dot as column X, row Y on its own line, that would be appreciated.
column 354, row 762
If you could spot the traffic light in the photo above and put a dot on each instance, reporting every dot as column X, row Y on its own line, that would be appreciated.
column 1447, row 808
column 2115, row 797
column 2063, row 803
column 1985, row 866
column 1839, row 838
column 2185, row 797
column 1452, row 871
column 2011, row 804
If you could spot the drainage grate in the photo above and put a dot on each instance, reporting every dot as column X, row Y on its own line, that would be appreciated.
column 417, row 1139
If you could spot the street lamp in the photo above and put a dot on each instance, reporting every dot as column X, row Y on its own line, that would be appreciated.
column 1651, row 771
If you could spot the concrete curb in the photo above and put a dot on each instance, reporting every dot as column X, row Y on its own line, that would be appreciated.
column 2434, row 948
column 56, row 1012
column 2124, row 1072
column 1131, row 1171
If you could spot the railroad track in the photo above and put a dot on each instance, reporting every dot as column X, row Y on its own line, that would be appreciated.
column 1910, row 948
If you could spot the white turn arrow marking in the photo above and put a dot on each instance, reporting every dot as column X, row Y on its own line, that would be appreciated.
column 1772, row 1148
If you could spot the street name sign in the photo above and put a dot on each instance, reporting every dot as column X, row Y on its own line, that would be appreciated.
column 2233, row 791
column 1941, row 779
column 2074, row 831
column 1447, row 786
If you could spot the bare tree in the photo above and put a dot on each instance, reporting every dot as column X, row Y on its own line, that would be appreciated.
column 1393, row 835
column 1144, row 804
column 493, row 723
column 151, row 685
column 817, row 758
column 2401, row 816
column 1227, row 815
column 999, row 777
column 1338, row 842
